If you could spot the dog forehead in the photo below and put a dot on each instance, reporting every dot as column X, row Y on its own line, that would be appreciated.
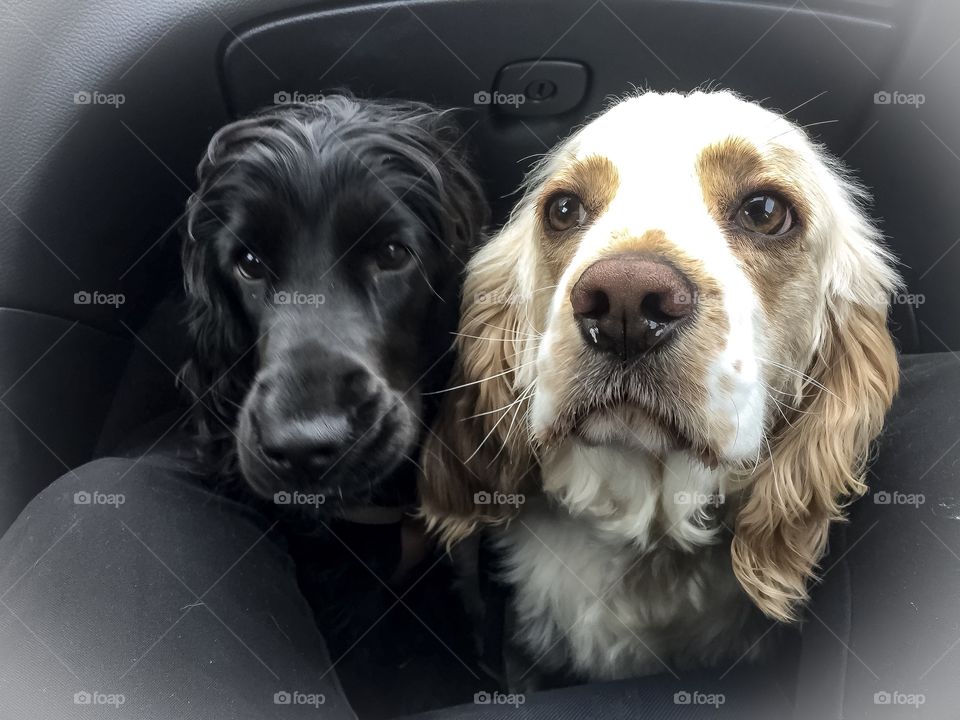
column 657, row 136
column 676, row 158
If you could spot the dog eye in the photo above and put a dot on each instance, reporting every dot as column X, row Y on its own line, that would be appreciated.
column 765, row 214
column 565, row 212
column 392, row 256
column 249, row 266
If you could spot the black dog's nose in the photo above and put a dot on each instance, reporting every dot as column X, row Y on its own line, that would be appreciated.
column 629, row 304
column 307, row 417
column 308, row 444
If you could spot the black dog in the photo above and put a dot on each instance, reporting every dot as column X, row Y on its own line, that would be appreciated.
column 323, row 254
column 323, row 257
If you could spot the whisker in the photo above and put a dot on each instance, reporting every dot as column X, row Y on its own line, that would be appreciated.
column 533, row 156
column 488, row 339
column 232, row 402
column 766, row 441
column 778, row 392
column 525, row 395
column 799, row 374
column 486, row 437
column 491, row 412
column 423, row 274
column 520, row 352
column 416, row 464
column 788, row 406
column 779, row 406
column 477, row 382
column 805, row 127
column 514, row 330
column 756, row 463
column 804, row 103
column 816, row 124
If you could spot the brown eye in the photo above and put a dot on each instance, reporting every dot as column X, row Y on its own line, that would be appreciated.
column 565, row 212
column 393, row 256
column 249, row 266
column 765, row 214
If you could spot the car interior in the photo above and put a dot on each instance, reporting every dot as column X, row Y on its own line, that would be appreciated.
column 108, row 105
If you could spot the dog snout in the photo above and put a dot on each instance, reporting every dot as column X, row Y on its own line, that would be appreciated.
column 306, row 420
column 629, row 304
column 309, row 444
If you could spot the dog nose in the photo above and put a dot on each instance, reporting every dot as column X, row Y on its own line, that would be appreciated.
column 307, row 419
column 309, row 445
column 630, row 304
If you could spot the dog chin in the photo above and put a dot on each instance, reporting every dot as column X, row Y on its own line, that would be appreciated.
column 634, row 428
column 351, row 482
column 349, row 487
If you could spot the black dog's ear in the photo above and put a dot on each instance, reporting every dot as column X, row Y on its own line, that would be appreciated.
column 221, row 359
column 440, row 185
column 431, row 174
column 463, row 201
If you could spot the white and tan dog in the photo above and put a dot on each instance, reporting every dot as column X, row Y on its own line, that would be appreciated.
column 677, row 349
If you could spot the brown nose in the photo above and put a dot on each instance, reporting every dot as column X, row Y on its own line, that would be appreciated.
column 630, row 304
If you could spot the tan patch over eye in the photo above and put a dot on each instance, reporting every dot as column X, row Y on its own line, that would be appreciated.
column 754, row 198
column 570, row 200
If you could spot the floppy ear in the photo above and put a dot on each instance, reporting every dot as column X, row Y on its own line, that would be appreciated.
column 439, row 186
column 462, row 199
column 480, row 445
column 438, row 182
column 221, row 357
column 819, row 458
